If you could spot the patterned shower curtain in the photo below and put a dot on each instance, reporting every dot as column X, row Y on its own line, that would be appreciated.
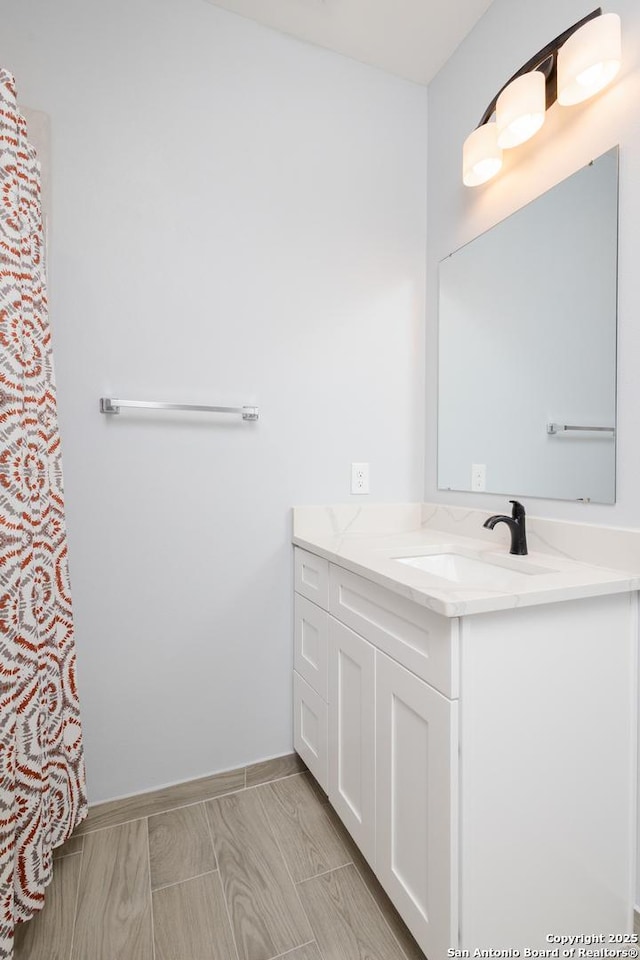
column 42, row 780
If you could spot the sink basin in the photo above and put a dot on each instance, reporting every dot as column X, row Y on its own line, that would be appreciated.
column 473, row 572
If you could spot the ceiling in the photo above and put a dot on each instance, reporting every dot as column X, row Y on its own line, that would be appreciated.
column 411, row 38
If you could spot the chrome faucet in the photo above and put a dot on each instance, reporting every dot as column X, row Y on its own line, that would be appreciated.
column 516, row 524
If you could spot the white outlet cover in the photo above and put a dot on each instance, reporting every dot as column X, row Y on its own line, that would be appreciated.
column 359, row 478
column 478, row 477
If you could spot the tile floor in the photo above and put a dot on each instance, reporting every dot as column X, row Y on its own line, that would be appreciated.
column 252, row 875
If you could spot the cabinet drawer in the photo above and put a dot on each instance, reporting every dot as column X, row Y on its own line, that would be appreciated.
column 310, row 729
column 424, row 642
column 312, row 577
column 310, row 644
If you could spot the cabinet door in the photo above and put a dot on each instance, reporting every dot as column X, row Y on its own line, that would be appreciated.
column 416, row 804
column 352, row 734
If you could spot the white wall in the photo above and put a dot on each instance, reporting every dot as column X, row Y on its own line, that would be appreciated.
column 509, row 33
column 237, row 217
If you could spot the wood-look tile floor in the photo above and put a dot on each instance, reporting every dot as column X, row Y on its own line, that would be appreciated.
column 254, row 875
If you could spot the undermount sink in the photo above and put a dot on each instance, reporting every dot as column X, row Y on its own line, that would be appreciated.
column 458, row 568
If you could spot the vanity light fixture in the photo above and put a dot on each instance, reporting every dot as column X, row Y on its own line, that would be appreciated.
column 589, row 60
column 520, row 109
column 482, row 155
column 575, row 66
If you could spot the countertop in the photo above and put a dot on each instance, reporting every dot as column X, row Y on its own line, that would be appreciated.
column 373, row 555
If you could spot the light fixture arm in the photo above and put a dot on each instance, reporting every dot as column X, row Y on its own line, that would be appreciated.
column 546, row 61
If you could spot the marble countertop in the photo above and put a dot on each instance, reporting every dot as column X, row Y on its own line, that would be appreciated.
column 372, row 548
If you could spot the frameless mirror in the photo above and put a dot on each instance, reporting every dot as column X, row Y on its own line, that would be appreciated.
column 527, row 347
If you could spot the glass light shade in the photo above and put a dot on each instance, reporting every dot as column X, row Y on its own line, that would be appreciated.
column 521, row 108
column 589, row 59
column 481, row 155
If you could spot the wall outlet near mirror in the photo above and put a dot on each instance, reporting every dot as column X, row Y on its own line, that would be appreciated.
column 359, row 478
column 478, row 477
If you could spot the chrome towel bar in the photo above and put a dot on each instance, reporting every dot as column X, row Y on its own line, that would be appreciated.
column 111, row 405
column 555, row 428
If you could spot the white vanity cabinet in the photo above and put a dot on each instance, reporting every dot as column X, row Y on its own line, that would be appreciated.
column 485, row 764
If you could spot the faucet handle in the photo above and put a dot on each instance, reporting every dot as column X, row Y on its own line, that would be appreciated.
column 518, row 511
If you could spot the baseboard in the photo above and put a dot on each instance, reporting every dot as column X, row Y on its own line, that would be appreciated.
column 140, row 805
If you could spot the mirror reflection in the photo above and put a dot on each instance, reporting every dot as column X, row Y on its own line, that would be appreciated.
column 527, row 347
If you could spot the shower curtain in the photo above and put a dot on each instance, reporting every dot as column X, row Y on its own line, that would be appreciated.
column 42, row 779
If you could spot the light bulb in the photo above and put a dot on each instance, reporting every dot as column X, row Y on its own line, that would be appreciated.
column 481, row 155
column 589, row 60
column 520, row 109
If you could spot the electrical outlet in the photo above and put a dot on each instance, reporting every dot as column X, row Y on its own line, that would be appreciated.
column 478, row 477
column 359, row 478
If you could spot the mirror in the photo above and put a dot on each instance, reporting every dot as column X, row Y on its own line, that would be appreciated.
column 527, row 347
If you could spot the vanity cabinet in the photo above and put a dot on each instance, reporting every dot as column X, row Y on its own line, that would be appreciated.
column 485, row 764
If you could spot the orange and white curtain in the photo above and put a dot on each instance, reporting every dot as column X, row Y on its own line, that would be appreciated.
column 42, row 778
